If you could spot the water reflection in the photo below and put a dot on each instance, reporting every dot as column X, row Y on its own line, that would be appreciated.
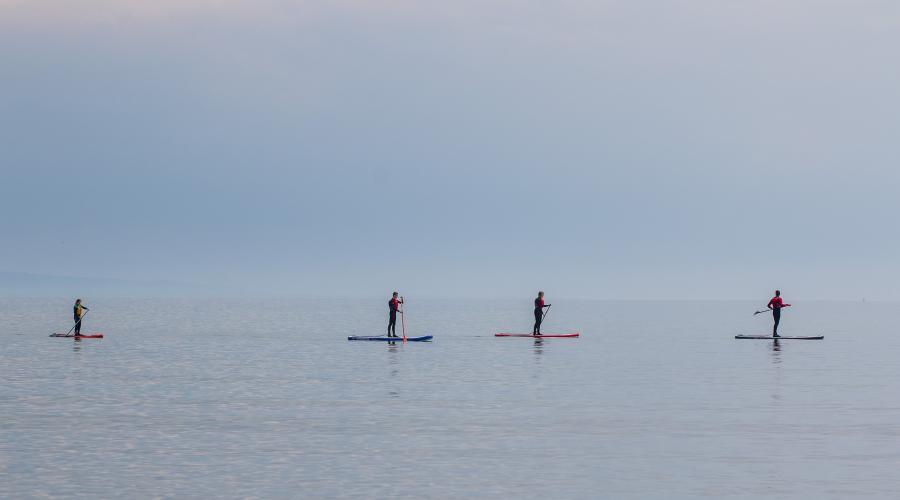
column 538, row 350
column 776, row 361
column 394, row 371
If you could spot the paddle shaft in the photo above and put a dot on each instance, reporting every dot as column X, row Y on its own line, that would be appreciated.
column 403, row 320
column 78, row 322
column 767, row 310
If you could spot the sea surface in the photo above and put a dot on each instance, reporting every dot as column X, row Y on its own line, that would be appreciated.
column 235, row 398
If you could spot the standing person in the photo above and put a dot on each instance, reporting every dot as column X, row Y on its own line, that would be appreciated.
column 539, row 313
column 775, row 305
column 394, row 305
column 78, row 309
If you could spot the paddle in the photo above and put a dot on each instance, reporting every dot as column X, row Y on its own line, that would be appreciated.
column 770, row 310
column 402, row 319
column 78, row 322
column 544, row 315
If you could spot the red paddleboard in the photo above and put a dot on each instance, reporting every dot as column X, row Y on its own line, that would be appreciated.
column 89, row 336
column 541, row 336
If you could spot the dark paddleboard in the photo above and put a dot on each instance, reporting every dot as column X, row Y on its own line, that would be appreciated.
column 89, row 336
column 769, row 337
column 426, row 338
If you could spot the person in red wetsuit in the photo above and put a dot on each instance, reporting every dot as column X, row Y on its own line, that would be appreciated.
column 539, row 312
column 775, row 305
column 394, row 305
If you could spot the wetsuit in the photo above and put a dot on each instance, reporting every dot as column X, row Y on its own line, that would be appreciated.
column 78, row 311
column 394, row 304
column 776, row 304
column 538, row 314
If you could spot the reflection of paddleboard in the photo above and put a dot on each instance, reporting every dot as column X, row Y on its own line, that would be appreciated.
column 769, row 337
column 82, row 336
column 426, row 338
column 541, row 336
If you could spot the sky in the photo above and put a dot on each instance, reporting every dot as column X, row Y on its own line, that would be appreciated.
column 591, row 149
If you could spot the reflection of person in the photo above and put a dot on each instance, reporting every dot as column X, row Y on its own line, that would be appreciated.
column 78, row 309
column 394, row 305
column 539, row 313
column 775, row 305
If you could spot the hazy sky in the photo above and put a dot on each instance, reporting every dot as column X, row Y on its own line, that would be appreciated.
column 598, row 149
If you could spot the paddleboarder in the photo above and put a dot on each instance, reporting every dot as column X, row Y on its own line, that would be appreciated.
column 539, row 312
column 78, row 309
column 775, row 305
column 394, row 305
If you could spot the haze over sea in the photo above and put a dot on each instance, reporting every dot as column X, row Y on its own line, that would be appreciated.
column 234, row 398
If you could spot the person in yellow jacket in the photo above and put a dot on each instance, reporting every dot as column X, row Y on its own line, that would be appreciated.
column 79, row 310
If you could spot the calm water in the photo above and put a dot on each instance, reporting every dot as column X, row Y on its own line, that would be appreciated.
column 267, row 398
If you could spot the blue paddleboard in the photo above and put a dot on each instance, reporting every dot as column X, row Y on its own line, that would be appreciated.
column 394, row 339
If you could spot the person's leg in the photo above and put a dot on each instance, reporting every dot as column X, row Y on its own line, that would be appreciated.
column 78, row 327
column 538, row 316
column 392, row 326
column 776, row 314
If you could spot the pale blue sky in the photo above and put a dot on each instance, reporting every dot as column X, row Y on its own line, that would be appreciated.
column 703, row 149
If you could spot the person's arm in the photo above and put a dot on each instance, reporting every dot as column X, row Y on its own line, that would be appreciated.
column 785, row 305
column 769, row 305
column 548, row 305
